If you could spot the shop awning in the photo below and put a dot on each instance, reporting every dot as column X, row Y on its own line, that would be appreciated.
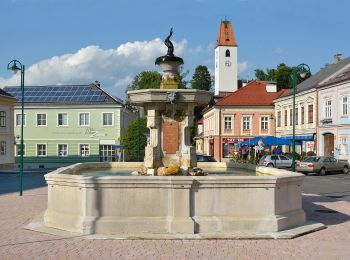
column 299, row 137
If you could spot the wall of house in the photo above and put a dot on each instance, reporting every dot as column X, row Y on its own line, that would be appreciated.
column 73, row 134
column 334, row 118
column 235, row 135
column 303, row 99
column 7, row 158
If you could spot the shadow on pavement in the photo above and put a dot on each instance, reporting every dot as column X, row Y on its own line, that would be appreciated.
column 9, row 182
column 320, row 213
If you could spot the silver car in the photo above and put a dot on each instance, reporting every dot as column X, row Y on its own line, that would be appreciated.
column 279, row 161
column 322, row 165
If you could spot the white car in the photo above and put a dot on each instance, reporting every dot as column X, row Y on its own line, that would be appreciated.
column 279, row 161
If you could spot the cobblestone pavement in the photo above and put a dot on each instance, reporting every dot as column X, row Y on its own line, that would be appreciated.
column 19, row 243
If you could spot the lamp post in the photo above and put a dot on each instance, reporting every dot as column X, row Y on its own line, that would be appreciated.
column 274, row 123
column 13, row 66
column 299, row 71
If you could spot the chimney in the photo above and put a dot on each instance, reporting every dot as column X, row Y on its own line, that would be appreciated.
column 271, row 87
column 337, row 58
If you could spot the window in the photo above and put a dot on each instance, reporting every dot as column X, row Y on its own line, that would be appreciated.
column 2, row 147
column 290, row 116
column 228, row 149
column 296, row 115
column 18, row 149
column 279, row 119
column 343, row 146
column 285, row 118
column 41, row 149
column 302, row 115
column 41, row 119
column 310, row 114
column 246, row 123
column 227, row 54
column 19, row 119
column 107, row 153
column 328, row 109
column 264, row 123
column 62, row 150
column 84, row 150
column 62, row 119
column 344, row 100
column 228, row 122
column 107, row 119
column 84, row 119
column 2, row 119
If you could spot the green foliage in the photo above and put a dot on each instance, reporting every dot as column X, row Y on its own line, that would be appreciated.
column 134, row 139
column 201, row 78
column 145, row 80
column 282, row 74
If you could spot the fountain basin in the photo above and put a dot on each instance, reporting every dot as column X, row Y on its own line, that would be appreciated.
column 182, row 205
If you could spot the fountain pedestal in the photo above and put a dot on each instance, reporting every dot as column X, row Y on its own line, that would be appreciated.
column 170, row 117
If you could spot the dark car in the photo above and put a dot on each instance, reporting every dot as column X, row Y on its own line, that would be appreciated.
column 205, row 158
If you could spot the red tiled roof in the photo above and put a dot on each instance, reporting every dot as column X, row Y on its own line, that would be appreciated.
column 253, row 94
column 226, row 36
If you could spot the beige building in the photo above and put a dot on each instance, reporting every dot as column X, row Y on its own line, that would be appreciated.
column 7, row 139
column 305, row 123
column 307, row 106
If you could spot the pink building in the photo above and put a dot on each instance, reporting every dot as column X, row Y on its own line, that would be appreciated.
column 239, row 116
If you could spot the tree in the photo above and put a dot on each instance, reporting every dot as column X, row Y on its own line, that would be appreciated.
column 282, row 74
column 201, row 78
column 145, row 80
column 135, row 140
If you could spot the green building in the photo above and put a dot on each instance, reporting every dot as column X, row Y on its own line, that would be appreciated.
column 66, row 124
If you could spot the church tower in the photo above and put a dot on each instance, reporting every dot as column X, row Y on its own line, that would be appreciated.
column 225, row 60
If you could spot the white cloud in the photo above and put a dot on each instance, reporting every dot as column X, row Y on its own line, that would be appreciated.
column 243, row 67
column 114, row 68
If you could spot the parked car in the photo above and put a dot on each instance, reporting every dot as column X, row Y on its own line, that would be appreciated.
column 279, row 161
column 322, row 165
column 205, row 158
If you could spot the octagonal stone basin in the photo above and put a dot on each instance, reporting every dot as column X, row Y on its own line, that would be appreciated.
column 133, row 206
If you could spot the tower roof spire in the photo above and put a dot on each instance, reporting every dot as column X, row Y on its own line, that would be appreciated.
column 226, row 36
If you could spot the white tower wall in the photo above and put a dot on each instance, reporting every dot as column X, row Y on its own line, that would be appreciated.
column 225, row 76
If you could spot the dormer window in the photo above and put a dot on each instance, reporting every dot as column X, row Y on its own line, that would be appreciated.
column 227, row 53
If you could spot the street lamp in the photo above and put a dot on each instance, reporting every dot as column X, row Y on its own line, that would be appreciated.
column 299, row 71
column 13, row 66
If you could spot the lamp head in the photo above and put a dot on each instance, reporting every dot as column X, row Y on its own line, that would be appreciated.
column 303, row 74
column 14, row 68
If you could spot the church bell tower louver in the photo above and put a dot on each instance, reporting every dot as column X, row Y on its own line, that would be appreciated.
column 225, row 60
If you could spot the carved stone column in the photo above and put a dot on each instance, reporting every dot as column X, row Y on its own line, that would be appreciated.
column 188, row 152
column 153, row 149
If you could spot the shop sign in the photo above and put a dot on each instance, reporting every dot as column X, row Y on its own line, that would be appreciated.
column 233, row 140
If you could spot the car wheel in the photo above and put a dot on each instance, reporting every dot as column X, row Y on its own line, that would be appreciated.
column 323, row 171
column 345, row 169
column 270, row 165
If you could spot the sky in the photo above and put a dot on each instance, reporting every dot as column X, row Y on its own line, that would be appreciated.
column 80, row 41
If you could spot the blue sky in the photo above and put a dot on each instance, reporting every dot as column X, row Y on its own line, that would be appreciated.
column 80, row 41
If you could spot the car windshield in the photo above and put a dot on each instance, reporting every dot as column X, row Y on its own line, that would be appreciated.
column 263, row 158
column 312, row 159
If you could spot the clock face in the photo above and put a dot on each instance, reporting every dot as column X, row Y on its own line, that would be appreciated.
column 228, row 63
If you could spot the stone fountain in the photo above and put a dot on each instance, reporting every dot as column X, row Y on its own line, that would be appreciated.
column 169, row 111
column 266, row 205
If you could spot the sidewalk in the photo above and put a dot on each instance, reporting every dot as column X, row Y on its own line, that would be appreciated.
column 19, row 243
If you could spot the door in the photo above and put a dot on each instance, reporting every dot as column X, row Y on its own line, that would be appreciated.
column 328, row 144
column 285, row 161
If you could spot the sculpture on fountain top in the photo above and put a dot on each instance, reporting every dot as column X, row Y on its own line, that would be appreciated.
column 169, row 44
column 170, row 65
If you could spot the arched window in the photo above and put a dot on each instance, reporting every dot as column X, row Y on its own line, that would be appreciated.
column 227, row 53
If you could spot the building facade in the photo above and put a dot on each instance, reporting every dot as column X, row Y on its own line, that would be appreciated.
column 7, row 139
column 225, row 60
column 239, row 116
column 305, row 121
column 334, row 115
column 307, row 109
column 69, row 124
